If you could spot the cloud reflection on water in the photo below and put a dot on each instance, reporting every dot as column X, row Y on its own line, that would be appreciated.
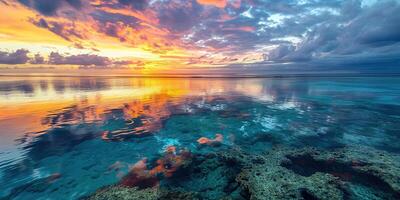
column 108, row 120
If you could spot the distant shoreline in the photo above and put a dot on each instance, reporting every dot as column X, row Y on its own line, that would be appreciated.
column 211, row 76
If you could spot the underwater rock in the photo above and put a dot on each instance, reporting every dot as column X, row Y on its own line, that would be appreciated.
column 176, row 194
column 309, row 173
column 124, row 193
column 199, row 176
column 210, row 176
column 281, row 173
column 269, row 180
column 377, row 170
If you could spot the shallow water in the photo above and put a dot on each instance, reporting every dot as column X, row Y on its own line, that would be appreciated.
column 70, row 136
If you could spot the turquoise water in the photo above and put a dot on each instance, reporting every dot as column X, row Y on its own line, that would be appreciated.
column 65, row 137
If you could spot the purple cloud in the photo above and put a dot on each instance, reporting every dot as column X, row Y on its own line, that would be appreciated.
column 81, row 59
column 18, row 57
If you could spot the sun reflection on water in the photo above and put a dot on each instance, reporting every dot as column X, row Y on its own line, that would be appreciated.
column 139, row 132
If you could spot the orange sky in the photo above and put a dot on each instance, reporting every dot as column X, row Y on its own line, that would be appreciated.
column 148, row 46
column 191, row 36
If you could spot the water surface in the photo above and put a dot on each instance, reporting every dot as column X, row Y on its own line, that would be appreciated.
column 85, row 133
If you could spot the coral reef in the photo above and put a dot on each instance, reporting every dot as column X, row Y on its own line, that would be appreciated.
column 211, row 142
column 270, row 180
column 124, row 193
column 142, row 177
column 309, row 173
column 282, row 173
column 210, row 176
column 356, row 166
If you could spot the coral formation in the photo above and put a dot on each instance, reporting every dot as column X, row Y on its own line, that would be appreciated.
column 123, row 193
column 211, row 142
column 309, row 173
column 370, row 169
column 210, row 176
column 282, row 173
column 142, row 177
column 269, row 180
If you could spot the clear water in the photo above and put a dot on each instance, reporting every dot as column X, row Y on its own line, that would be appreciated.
column 86, row 133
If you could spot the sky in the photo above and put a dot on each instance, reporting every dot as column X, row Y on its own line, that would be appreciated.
column 201, row 36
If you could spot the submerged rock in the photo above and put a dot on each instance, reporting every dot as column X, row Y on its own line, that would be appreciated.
column 210, row 176
column 308, row 173
column 124, row 193
column 377, row 172
column 270, row 180
column 282, row 173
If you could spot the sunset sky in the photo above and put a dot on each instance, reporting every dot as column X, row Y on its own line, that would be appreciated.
column 197, row 36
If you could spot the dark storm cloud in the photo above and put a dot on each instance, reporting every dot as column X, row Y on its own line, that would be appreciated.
column 369, row 32
column 378, row 26
column 18, row 57
column 50, row 7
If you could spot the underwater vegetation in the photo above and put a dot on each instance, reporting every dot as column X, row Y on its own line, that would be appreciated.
column 281, row 173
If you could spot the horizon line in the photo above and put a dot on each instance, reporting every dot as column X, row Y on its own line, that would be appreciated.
column 297, row 75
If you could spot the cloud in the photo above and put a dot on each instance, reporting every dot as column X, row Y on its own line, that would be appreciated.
column 136, row 4
column 216, row 3
column 66, row 30
column 179, row 16
column 20, row 56
column 233, row 32
column 37, row 59
column 75, row 3
column 81, row 59
column 378, row 25
column 45, row 7
column 50, row 7
column 84, row 61
column 4, row 2
column 369, row 32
